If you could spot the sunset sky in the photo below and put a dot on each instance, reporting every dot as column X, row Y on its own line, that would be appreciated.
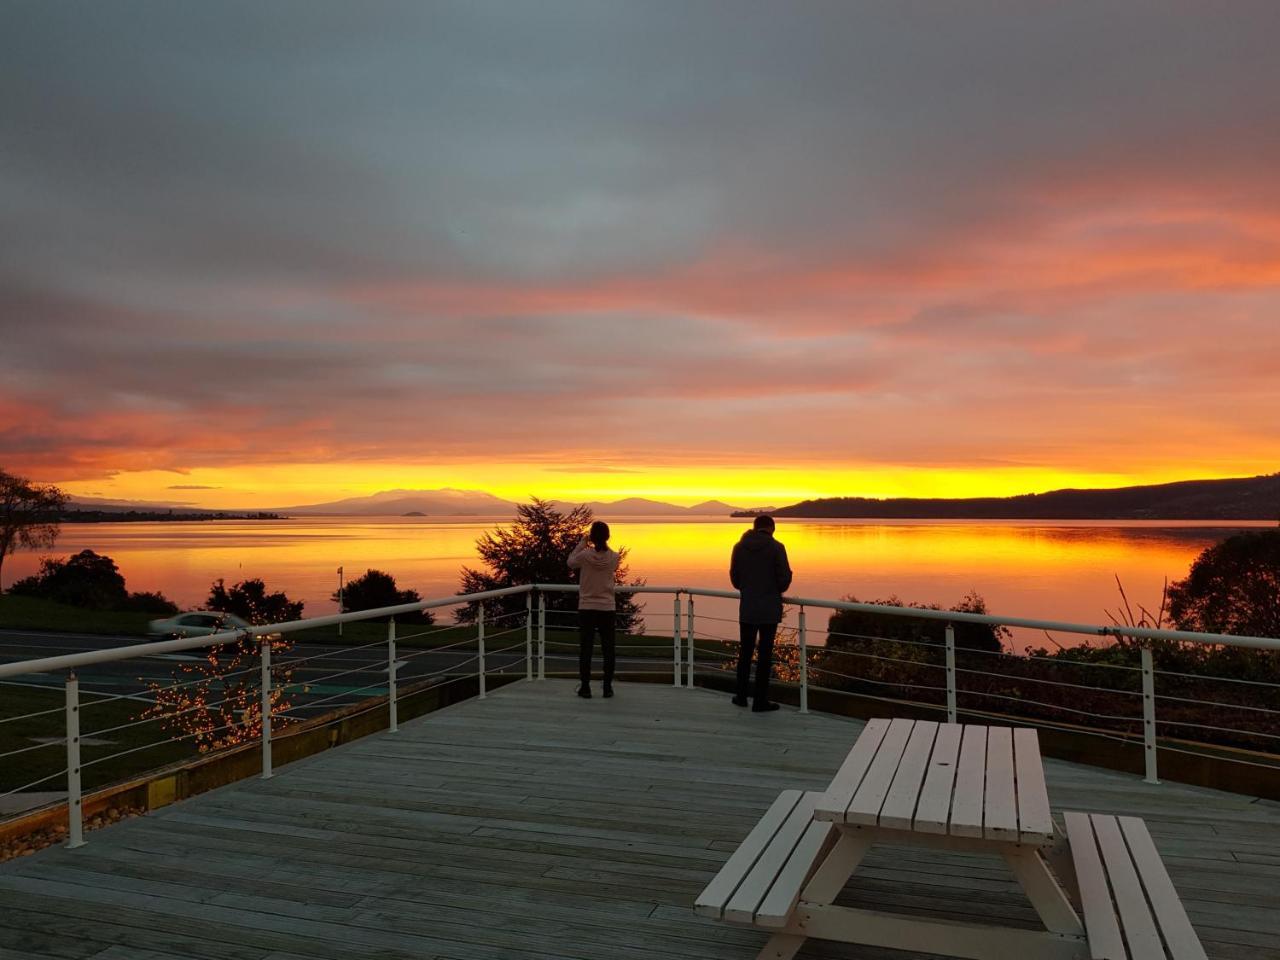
column 267, row 254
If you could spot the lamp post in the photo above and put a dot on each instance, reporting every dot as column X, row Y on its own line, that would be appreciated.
column 340, row 599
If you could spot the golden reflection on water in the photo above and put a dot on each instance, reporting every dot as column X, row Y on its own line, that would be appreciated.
column 1056, row 571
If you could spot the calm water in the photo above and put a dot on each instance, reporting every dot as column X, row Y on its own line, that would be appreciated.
column 1063, row 571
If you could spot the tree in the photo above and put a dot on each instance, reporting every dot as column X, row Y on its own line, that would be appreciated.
column 29, row 516
column 377, row 589
column 1233, row 587
column 249, row 599
column 535, row 549
column 216, row 701
column 88, row 580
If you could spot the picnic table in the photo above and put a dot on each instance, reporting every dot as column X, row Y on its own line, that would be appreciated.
column 956, row 787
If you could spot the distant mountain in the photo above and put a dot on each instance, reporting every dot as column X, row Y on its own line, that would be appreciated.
column 1247, row 498
column 446, row 502
column 640, row 507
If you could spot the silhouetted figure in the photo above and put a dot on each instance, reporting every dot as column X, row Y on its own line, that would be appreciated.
column 597, row 565
column 759, row 569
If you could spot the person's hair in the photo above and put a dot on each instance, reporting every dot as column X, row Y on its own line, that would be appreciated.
column 762, row 522
column 599, row 535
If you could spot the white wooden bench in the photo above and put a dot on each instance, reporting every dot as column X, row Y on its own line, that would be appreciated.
column 761, row 882
column 1131, row 909
column 912, row 783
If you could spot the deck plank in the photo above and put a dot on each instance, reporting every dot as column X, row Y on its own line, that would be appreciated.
column 536, row 824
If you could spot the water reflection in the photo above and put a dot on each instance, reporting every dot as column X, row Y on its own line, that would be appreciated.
column 1056, row 570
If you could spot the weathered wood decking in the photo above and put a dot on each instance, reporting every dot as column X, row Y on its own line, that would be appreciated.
column 535, row 824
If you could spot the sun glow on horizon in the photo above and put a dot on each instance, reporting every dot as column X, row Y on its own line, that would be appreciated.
column 276, row 486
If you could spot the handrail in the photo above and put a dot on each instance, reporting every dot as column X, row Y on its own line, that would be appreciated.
column 686, row 651
column 74, row 660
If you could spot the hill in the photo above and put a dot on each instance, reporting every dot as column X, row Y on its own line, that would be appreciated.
column 640, row 507
column 1246, row 498
column 448, row 502
column 445, row 502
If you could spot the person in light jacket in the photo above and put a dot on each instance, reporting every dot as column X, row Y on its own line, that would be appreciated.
column 760, row 572
column 596, row 565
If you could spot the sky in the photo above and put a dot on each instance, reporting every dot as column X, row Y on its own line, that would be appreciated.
column 264, row 254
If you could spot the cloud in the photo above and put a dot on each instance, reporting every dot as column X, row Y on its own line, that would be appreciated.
column 191, row 486
column 615, row 234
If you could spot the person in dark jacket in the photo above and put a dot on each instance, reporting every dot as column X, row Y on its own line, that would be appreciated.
column 759, row 570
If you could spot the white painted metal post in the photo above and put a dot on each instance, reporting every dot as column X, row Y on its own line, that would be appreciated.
column 688, row 635
column 392, row 713
column 951, row 673
column 542, row 636
column 480, row 641
column 528, row 636
column 804, row 664
column 675, row 638
column 1149, row 714
column 264, row 648
column 75, row 814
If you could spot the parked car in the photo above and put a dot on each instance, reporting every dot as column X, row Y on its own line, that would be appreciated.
column 196, row 623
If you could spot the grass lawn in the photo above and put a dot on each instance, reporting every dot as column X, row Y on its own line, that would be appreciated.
column 25, row 768
column 31, row 613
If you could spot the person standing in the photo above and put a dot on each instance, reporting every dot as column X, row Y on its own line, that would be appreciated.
column 760, row 572
column 597, row 567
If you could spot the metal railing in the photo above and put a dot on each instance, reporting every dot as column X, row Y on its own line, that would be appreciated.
column 894, row 669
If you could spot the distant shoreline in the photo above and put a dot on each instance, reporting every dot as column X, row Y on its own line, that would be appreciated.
column 1249, row 498
column 158, row 516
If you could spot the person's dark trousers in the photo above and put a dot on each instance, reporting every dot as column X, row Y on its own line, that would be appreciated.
column 747, row 634
column 591, row 622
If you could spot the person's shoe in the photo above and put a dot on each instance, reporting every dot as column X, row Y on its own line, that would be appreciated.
column 740, row 701
column 764, row 707
column 584, row 691
column 608, row 690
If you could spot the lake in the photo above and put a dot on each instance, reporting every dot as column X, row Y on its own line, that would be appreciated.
column 1061, row 571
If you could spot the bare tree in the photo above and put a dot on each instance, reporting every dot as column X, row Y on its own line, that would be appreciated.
column 29, row 515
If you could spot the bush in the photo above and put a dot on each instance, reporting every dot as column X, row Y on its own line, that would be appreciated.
column 377, row 589
column 860, row 626
column 249, row 599
column 91, row 581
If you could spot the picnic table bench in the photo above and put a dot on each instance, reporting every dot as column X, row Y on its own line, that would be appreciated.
column 955, row 787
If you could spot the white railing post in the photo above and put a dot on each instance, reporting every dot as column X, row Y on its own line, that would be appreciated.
column 804, row 664
column 75, row 813
column 689, row 639
column 480, row 642
column 528, row 636
column 675, row 638
column 951, row 673
column 1149, row 715
column 542, row 636
column 392, row 714
column 264, row 649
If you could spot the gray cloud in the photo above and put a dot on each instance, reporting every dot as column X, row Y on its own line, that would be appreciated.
column 883, row 230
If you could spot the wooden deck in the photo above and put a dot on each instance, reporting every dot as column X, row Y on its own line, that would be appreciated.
column 534, row 824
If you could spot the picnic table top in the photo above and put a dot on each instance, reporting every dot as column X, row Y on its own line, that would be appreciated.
column 961, row 780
